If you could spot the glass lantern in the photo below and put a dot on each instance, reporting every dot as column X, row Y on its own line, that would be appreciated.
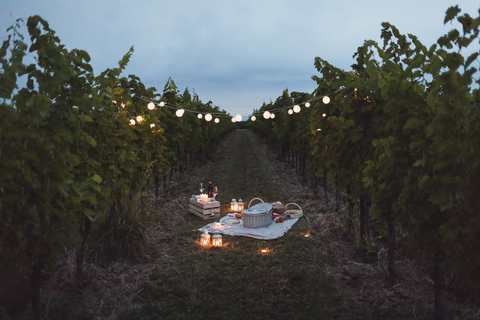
column 241, row 206
column 233, row 205
column 204, row 239
column 217, row 240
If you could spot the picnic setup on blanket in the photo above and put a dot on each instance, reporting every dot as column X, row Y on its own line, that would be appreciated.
column 263, row 220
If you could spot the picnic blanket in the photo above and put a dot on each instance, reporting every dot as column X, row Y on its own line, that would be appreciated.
column 226, row 226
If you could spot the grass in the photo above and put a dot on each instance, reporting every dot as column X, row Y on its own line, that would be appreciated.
column 163, row 273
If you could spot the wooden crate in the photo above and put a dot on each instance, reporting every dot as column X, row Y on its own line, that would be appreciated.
column 204, row 210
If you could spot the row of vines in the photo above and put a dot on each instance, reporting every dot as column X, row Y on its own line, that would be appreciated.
column 68, row 151
column 401, row 138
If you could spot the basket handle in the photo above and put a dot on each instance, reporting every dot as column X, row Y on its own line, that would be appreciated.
column 254, row 199
column 301, row 211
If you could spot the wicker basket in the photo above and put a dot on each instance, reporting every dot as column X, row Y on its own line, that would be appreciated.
column 260, row 215
column 292, row 213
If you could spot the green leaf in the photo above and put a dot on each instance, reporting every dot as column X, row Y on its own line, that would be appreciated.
column 97, row 178
column 91, row 141
column 85, row 118
column 420, row 162
column 451, row 13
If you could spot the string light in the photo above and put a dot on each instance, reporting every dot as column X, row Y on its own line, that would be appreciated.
column 152, row 125
column 324, row 115
column 200, row 116
column 161, row 104
column 208, row 117
column 179, row 112
column 217, row 120
column 238, row 118
column 290, row 111
column 272, row 115
column 266, row 114
column 307, row 104
column 233, row 120
column 151, row 106
column 326, row 99
column 132, row 122
column 296, row 108
column 253, row 118
column 139, row 119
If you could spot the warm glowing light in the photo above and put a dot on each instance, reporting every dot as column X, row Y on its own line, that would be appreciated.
column 139, row 118
column 319, row 129
column 307, row 104
column 161, row 104
column 179, row 112
column 233, row 120
column 266, row 250
column 324, row 115
column 132, row 122
column 152, row 125
column 326, row 99
column 272, row 115
column 217, row 240
column 217, row 120
column 290, row 111
column 238, row 118
column 205, row 239
column 296, row 108
column 123, row 105
column 253, row 118
column 307, row 234
column 266, row 114
column 208, row 117
column 200, row 116
column 151, row 106
column 114, row 101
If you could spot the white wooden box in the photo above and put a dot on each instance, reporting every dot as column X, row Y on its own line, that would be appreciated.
column 204, row 210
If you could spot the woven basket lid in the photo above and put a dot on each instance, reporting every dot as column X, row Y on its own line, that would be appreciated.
column 259, row 208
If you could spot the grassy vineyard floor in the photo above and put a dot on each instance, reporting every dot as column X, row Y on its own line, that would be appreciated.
column 322, row 276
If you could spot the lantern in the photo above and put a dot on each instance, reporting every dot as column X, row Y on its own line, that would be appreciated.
column 266, row 114
column 233, row 205
column 272, row 115
column 307, row 104
column 217, row 240
column 241, row 206
column 290, row 111
column 253, row 118
column 161, row 104
column 326, row 99
column 200, row 116
column 208, row 117
column 151, row 106
column 238, row 118
column 296, row 108
column 204, row 239
column 217, row 120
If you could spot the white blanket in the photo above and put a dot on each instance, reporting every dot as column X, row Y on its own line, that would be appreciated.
column 226, row 226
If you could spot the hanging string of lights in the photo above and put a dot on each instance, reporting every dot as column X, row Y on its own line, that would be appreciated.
column 268, row 114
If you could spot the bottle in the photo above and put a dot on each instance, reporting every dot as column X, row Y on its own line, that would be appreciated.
column 210, row 189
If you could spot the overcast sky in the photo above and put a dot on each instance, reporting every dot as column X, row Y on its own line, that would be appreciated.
column 236, row 53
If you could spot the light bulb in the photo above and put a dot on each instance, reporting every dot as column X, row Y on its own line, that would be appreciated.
column 132, row 122
column 290, row 111
column 161, row 104
column 326, row 99
column 253, row 118
column 307, row 104
column 200, row 116
column 296, row 108
column 272, row 115
column 324, row 115
column 266, row 114
column 152, row 125
column 238, row 118
column 217, row 120
column 179, row 113
column 151, row 106
column 208, row 117
column 139, row 118
column 233, row 120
